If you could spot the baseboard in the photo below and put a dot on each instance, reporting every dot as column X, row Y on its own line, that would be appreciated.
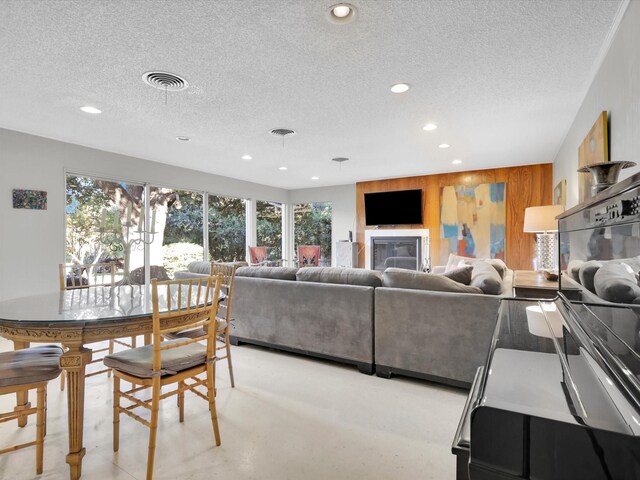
column 363, row 367
column 385, row 371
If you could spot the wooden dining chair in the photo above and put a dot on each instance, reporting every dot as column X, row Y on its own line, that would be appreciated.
column 228, row 273
column 22, row 371
column 71, row 277
column 191, row 303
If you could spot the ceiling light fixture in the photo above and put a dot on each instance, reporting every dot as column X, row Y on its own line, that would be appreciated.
column 183, row 139
column 283, row 168
column 246, row 157
column 341, row 13
column 430, row 127
column 444, row 145
column 88, row 109
column 400, row 87
column 457, row 161
column 315, row 178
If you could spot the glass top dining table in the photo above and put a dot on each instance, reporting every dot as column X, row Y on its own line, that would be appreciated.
column 76, row 318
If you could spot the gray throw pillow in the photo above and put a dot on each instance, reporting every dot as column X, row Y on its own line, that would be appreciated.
column 573, row 269
column 275, row 273
column 499, row 265
column 616, row 282
column 401, row 278
column 486, row 278
column 461, row 274
column 346, row 276
column 587, row 272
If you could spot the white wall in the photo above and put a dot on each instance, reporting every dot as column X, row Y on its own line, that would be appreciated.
column 616, row 89
column 32, row 241
column 343, row 198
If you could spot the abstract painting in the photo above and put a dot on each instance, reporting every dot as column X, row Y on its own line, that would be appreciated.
column 593, row 149
column 32, row 199
column 472, row 220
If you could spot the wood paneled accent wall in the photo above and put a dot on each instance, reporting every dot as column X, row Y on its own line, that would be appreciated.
column 526, row 186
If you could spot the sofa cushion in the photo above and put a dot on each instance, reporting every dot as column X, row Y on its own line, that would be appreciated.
column 185, row 275
column 461, row 274
column 400, row 278
column 203, row 268
column 347, row 276
column 616, row 282
column 275, row 273
column 485, row 277
column 587, row 272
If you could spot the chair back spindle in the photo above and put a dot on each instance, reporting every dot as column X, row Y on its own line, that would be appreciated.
column 199, row 302
column 72, row 276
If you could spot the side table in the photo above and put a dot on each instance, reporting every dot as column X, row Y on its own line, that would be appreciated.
column 532, row 284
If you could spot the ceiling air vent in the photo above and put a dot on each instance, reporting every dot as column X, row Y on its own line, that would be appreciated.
column 165, row 81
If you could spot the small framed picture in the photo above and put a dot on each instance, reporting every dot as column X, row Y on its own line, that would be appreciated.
column 31, row 199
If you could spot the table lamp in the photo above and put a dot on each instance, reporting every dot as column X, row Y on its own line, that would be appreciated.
column 542, row 222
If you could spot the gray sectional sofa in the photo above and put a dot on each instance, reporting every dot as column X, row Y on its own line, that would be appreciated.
column 328, row 316
column 391, row 326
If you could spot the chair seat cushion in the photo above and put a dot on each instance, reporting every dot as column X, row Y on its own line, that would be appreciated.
column 139, row 361
column 31, row 365
column 194, row 332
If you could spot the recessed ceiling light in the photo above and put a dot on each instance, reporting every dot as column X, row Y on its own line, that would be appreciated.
column 429, row 127
column 183, row 139
column 444, row 145
column 283, row 168
column 88, row 109
column 457, row 162
column 341, row 13
column 315, row 178
column 400, row 87
column 246, row 157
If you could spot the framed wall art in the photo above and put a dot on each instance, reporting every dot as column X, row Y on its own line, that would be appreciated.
column 593, row 149
column 30, row 199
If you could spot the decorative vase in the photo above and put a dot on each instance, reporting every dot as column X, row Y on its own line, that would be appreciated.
column 604, row 174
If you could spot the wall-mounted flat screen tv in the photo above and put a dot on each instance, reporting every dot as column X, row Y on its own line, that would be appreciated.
column 402, row 207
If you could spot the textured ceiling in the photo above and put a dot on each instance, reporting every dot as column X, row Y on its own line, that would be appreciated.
column 502, row 79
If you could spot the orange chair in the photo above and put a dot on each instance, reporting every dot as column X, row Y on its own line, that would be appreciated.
column 308, row 255
column 259, row 258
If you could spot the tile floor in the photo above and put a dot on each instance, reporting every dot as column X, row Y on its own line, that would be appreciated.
column 289, row 417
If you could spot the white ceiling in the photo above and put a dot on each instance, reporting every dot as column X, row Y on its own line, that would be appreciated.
column 502, row 79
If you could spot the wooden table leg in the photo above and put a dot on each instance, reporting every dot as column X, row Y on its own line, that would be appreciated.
column 74, row 361
column 22, row 398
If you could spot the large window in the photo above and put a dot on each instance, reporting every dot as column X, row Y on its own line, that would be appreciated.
column 312, row 226
column 269, row 227
column 227, row 228
column 102, row 219
column 178, row 238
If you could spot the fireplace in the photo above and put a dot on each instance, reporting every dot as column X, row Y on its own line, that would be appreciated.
column 400, row 248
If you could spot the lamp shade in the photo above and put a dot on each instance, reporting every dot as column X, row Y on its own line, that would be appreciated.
column 542, row 219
